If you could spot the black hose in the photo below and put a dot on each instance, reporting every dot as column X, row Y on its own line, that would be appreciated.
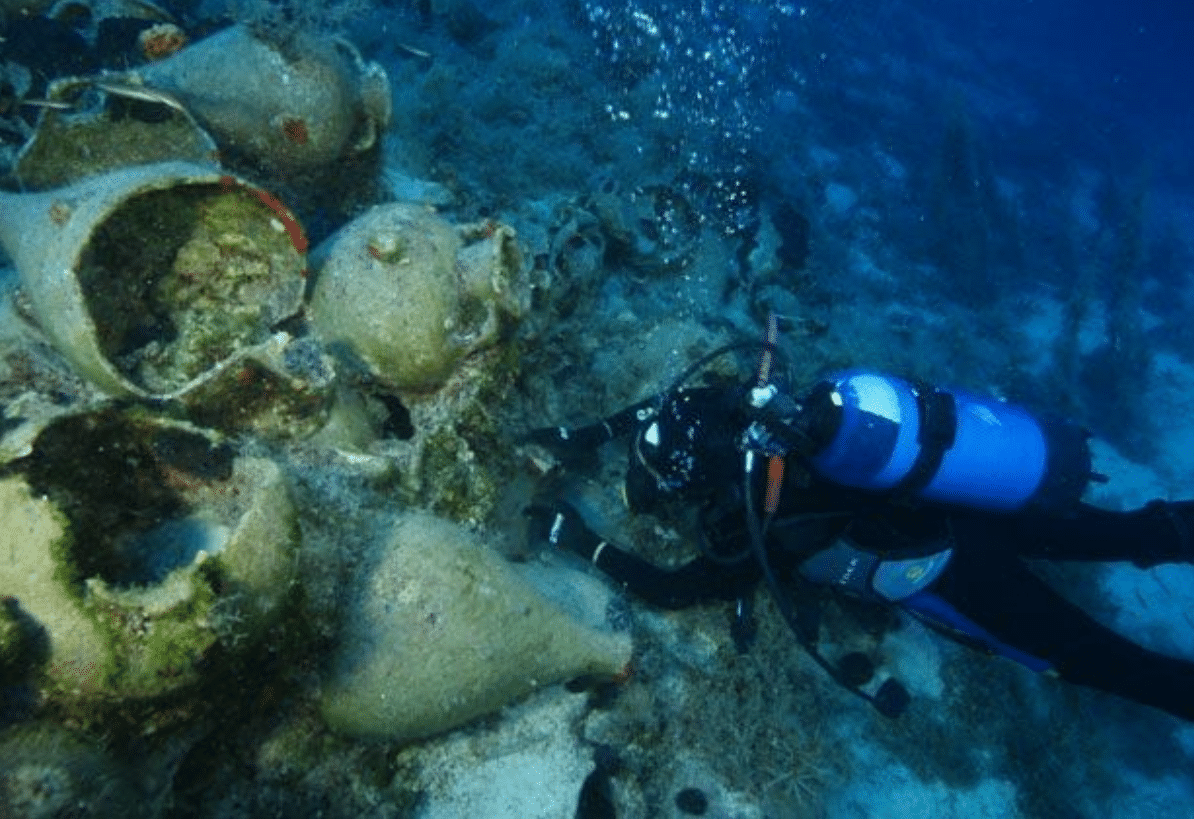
column 758, row 544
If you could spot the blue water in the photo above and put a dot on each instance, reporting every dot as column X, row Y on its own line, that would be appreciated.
column 954, row 189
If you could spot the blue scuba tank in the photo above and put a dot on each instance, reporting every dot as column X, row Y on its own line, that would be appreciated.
column 883, row 433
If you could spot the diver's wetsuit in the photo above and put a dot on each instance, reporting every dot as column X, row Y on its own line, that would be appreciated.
column 986, row 578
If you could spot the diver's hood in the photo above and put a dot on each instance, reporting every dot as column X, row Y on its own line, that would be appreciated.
column 687, row 449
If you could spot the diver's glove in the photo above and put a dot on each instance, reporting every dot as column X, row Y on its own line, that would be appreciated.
column 574, row 450
column 576, row 447
column 560, row 525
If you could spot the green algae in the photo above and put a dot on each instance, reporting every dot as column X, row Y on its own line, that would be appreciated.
column 125, row 624
column 68, row 146
column 179, row 280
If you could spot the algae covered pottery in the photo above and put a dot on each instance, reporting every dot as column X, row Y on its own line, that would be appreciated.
column 445, row 631
column 96, row 130
column 135, row 551
column 409, row 294
column 152, row 279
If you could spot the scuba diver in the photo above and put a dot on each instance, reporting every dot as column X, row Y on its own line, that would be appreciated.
column 883, row 490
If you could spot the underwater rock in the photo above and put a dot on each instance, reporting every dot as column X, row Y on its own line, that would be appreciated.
column 15, row 83
column 22, row 8
column 409, row 295
column 446, row 631
column 47, row 771
column 532, row 762
column 36, row 384
column 92, row 14
column 444, row 452
column 289, row 110
column 576, row 256
column 137, row 547
column 153, row 279
column 655, row 227
column 281, row 389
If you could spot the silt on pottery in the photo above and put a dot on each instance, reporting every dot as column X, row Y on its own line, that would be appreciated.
column 152, row 279
column 409, row 295
column 446, row 631
column 291, row 109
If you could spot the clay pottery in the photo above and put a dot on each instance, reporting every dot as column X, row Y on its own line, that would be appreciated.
column 151, row 280
column 288, row 107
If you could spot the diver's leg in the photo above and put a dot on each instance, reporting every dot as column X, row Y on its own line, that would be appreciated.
column 1161, row 532
column 1003, row 596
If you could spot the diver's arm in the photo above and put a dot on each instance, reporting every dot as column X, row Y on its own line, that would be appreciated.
column 697, row 581
column 572, row 443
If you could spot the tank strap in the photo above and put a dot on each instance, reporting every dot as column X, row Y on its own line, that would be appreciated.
column 1068, row 466
column 936, row 435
